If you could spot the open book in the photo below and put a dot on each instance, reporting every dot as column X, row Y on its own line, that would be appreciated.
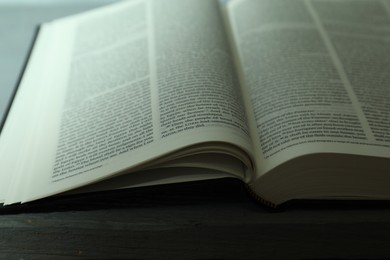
column 290, row 96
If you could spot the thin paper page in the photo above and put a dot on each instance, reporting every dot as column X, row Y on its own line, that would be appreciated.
column 115, row 112
column 317, row 73
column 18, row 133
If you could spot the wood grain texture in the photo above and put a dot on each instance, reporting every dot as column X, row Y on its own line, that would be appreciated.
column 201, row 220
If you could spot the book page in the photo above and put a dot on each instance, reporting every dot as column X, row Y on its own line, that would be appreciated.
column 143, row 79
column 165, row 78
column 316, row 73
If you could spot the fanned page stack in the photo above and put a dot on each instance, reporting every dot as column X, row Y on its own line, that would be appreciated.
column 290, row 96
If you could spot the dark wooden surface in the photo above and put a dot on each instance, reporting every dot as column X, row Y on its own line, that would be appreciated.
column 202, row 220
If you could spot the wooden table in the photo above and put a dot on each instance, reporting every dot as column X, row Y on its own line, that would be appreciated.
column 200, row 220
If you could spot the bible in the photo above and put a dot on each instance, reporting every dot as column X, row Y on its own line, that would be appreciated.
column 291, row 97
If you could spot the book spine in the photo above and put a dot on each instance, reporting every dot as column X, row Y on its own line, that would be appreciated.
column 260, row 199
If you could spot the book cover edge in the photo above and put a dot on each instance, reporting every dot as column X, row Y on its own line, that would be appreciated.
column 16, row 87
